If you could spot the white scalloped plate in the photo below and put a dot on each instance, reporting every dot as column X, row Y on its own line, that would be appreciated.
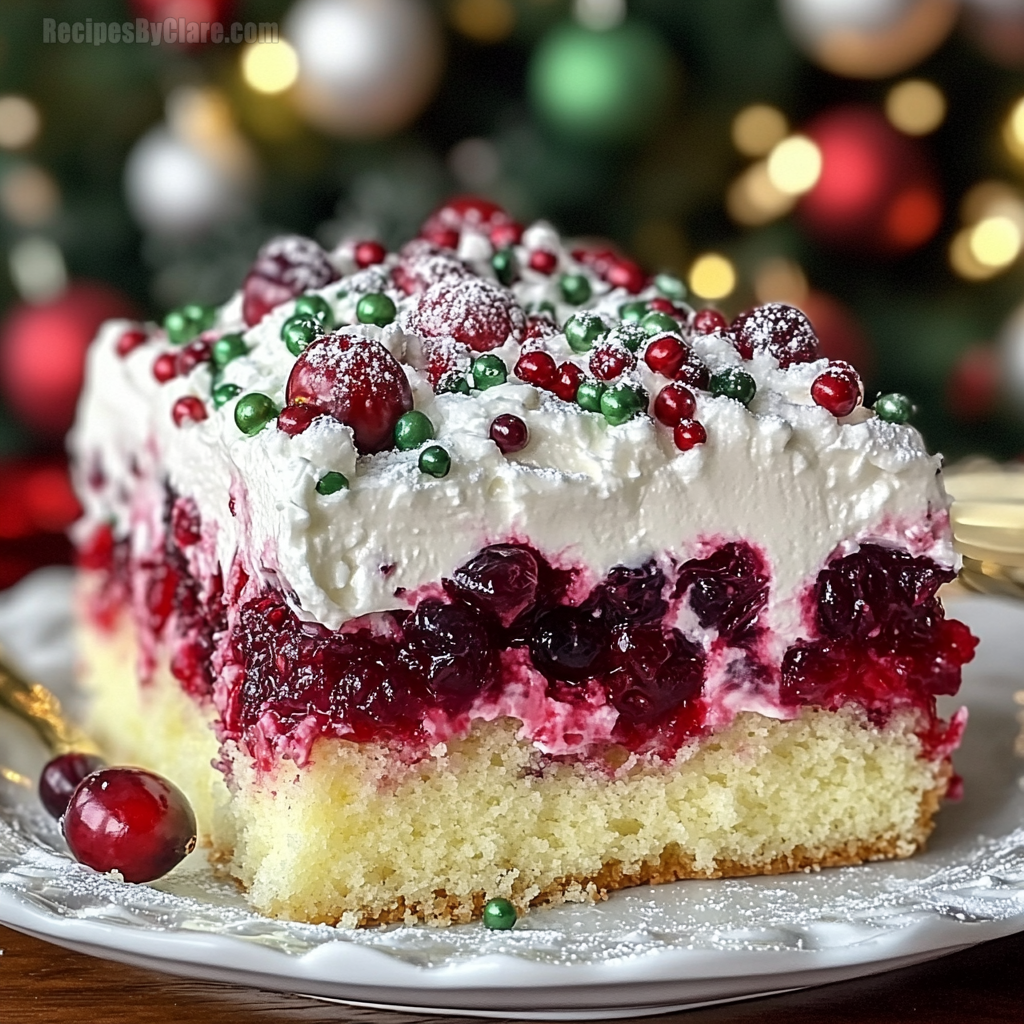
column 645, row 951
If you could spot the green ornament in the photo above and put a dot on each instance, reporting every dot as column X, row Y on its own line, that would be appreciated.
column 223, row 393
column 435, row 461
column 226, row 349
column 300, row 331
column 894, row 408
column 733, row 383
column 315, row 306
column 633, row 312
column 488, row 372
column 658, row 323
column 588, row 395
column 253, row 412
column 412, row 430
column 671, row 287
column 629, row 334
column 601, row 87
column 575, row 288
column 452, row 383
column 621, row 403
column 331, row 483
column 375, row 308
column 499, row 915
column 582, row 330
column 504, row 264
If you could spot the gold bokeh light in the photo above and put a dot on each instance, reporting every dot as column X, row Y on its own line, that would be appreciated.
column 995, row 242
column 270, row 67
column 758, row 128
column 712, row 276
column 794, row 165
column 915, row 107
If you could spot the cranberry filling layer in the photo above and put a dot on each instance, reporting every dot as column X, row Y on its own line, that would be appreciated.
column 877, row 638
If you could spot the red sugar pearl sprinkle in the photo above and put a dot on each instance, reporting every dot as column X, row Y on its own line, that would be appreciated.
column 665, row 355
column 663, row 305
column 188, row 410
column 567, row 381
column 369, row 254
column 708, row 321
column 194, row 353
column 674, row 404
column 294, row 419
column 130, row 341
column 536, row 368
column 626, row 274
column 542, row 261
column 837, row 390
column 688, row 434
column 610, row 362
column 504, row 235
column 165, row 367
column 509, row 433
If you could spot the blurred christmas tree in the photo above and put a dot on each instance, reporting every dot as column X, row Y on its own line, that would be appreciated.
column 861, row 160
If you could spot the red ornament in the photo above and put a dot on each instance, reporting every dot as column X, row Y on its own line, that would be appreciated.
column 877, row 191
column 165, row 367
column 837, row 389
column 611, row 361
column 188, row 409
column 198, row 12
column 369, row 254
column 42, row 352
column 709, row 321
column 294, row 419
column 674, row 403
column 688, row 434
column 130, row 341
column 542, row 261
column 536, row 368
column 357, row 382
column 665, row 354
column 567, row 381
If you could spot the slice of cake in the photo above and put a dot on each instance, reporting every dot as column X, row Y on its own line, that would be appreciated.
column 488, row 568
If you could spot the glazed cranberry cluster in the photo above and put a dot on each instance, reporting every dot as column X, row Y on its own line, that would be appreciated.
column 881, row 633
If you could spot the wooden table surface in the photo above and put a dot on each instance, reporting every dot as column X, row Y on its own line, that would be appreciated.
column 43, row 984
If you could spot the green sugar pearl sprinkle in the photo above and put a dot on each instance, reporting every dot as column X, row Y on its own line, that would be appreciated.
column 223, row 393
column 317, row 307
column 575, row 288
column 504, row 264
column 435, row 461
column 375, row 308
column 658, row 323
column 452, row 383
column 499, row 915
column 633, row 312
column 331, row 483
column 621, row 403
column 488, row 372
column 733, row 383
column 894, row 408
column 582, row 330
column 253, row 412
column 227, row 349
column 184, row 323
column 631, row 335
column 412, row 430
column 588, row 395
column 669, row 286
column 300, row 331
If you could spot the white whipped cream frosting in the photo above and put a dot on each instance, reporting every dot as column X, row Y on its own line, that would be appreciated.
column 783, row 474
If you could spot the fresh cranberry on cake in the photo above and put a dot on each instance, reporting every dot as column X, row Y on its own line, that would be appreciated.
column 446, row 578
